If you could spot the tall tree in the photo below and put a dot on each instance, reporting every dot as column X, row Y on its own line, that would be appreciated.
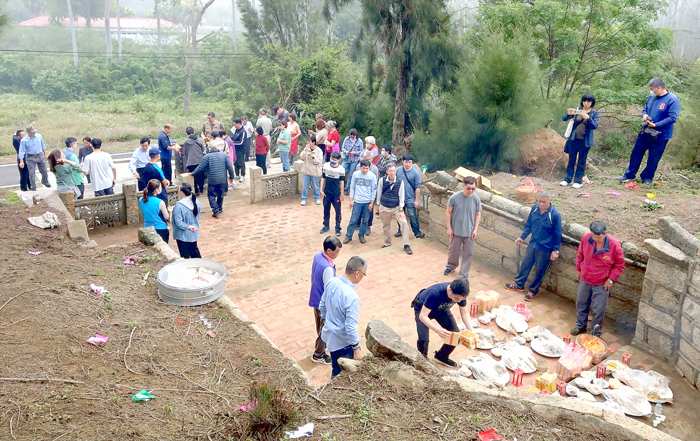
column 119, row 31
column 192, row 52
column 277, row 22
column 233, row 25
column 72, row 33
column 159, row 41
column 415, row 41
column 108, row 30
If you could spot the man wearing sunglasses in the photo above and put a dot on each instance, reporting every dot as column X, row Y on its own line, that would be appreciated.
column 462, row 219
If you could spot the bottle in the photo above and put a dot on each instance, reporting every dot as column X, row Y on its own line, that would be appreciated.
column 658, row 409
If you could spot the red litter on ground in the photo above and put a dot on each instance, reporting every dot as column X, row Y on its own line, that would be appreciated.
column 584, row 195
column 632, row 185
column 488, row 435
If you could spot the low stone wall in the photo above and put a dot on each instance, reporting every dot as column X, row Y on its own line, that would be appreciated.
column 270, row 186
column 502, row 221
column 669, row 312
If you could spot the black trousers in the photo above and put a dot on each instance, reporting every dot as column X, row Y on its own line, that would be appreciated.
column 188, row 250
column 444, row 319
column 240, row 161
column 260, row 162
column 335, row 202
column 167, row 166
column 164, row 234
column 198, row 179
column 23, row 177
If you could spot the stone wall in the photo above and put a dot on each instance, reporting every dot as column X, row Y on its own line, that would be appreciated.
column 669, row 311
column 272, row 185
column 502, row 222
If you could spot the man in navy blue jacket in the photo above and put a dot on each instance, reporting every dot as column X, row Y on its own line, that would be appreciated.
column 658, row 116
column 544, row 223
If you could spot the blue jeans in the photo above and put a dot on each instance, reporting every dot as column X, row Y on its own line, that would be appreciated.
column 350, row 168
column 656, row 149
column 533, row 257
column 412, row 215
column 315, row 181
column 285, row 161
column 215, row 193
column 346, row 352
column 360, row 215
column 105, row 192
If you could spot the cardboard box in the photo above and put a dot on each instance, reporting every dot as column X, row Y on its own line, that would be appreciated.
column 481, row 181
column 547, row 381
column 453, row 339
column 469, row 339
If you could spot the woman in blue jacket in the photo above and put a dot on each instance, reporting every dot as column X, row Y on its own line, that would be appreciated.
column 186, row 222
column 580, row 140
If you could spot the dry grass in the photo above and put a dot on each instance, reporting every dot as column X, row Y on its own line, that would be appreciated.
column 113, row 121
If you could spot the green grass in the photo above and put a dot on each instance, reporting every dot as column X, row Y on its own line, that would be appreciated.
column 118, row 123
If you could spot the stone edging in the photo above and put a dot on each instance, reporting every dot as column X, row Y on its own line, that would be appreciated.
column 170, row 256
column 553, row 407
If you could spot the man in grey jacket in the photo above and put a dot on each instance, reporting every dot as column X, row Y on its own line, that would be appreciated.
column 193, row 151
column 217, row 164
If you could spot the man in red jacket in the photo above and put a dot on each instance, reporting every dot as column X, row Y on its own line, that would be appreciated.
column 599, row 262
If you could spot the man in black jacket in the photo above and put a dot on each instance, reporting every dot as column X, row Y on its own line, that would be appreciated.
column 238, row 136
column 23, row 171
column 391, row 199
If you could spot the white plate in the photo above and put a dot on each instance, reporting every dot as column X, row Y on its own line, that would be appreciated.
column 538, row 346
column 520, row 325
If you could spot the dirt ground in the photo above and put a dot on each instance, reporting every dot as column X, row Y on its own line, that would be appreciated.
column 624, row 213
column 53, row 385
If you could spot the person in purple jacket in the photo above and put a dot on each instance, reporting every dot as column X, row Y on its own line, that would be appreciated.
column 658, row 116
column 322, row 270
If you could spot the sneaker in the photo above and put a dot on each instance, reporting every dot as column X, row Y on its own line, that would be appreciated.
column 530, row 296
column 623, row 179
column 445, row 361
column 596, row 333
column 46, row 184
column 241, row 179
column 324, row 230
column 448, row 271
column 407, row 249
column 575, row 185
column 514, row 287
column 303, row 202
column 564, row 183
column 646, row 181
column 215, row 214
column 347, row 240
column 577, row 331
column 326, row 359
column 318, row 201
column 338, row 233
column 420, row 235
column 386, row 245
column 362, row 239
column 398, row 234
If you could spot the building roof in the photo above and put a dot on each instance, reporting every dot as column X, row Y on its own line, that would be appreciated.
column 126, row 22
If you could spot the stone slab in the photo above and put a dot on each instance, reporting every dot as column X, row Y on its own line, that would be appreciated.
column 677, row 236
column 669, row 276
column 446, row 180
column 663, row 251
column 505, row 204
column 77, row 229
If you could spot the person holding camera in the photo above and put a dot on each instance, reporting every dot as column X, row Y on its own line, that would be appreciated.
column 658, row 116
column 582, row 122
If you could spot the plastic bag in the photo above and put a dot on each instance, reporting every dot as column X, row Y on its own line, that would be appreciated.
column 523, row 310
column 487, row 339
column 487, row 369
column 575, row 358
column 651, row 384
column 629, row 400
column 519, row 357
column 142, row 395
column 98, row 289
column 97, row 340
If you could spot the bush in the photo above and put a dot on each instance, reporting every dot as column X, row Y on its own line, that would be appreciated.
column 265, row 421
column 495, row 103
column 52, row 85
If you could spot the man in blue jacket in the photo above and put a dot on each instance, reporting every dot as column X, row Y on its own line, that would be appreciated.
column 658, row 116
column 544, row 223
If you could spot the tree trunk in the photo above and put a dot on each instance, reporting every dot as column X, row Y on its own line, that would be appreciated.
column 398, row 130
column 72, row 34
column 191, row 53
column 159, row 41
column 119, row 31
column 108, row 30
column 233, row 26
column 189, row 61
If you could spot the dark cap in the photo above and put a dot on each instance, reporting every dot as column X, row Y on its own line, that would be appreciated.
column 153, row 151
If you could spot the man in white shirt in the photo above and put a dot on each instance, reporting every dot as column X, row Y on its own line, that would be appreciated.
column 97, row 165
column 249, row 147
column 266, row 123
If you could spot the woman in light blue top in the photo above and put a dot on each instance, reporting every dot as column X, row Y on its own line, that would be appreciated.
column 155, row 213
column 186, row 222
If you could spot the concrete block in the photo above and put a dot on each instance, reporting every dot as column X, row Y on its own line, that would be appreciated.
column 657, row 318
column 434, row 188
column 506, row 205
column 257, row 188
column 567, row 253
column 131, row 202
column 77, row 229
column 647, row 290
column 623, row 312
column 666, row 275
column 686, row 327
column 488, row 219
column 634, row 253
column 149, row 236
column 685, row 369
column 632, row 276
column 690, row 352
column 677, row 236
column 665, row 252
column 666, row 299
column 691, row 307
column 575, row 230
column 508, row 228
column 659, row 342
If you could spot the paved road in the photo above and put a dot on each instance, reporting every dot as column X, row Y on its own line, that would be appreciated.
column 9, row 175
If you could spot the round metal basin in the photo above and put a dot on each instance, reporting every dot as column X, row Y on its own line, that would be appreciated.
column 191, row 296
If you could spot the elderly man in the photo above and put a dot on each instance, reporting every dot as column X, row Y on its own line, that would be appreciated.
column 340, row 310
column 211, row 125
column 658, row 116
column 217, row 164
column 167, row 147
column 599, row 262
column 462, row 218
column 139, row 160
column 352, row 149
column 322, row 270
column 391, row 199
column 32, row 154
column 412, row 178
column 544, row 223
column 266, row 123
column 282, row 114
column 371, row 147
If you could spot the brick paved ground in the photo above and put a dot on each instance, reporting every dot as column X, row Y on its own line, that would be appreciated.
column 268, row 250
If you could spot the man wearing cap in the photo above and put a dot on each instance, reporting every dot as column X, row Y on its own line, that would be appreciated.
column 282, row 114
column 167, row 147
column 211, row 125
column 32, row 154
column 98, row 165
column 139, row 160
column 153, row 171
